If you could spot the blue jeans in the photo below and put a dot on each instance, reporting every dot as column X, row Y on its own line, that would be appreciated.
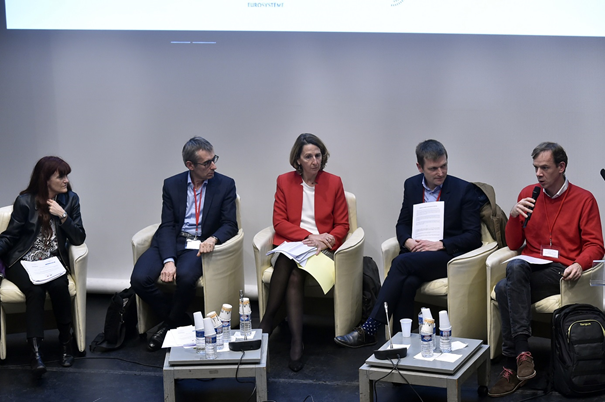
column 524, row 284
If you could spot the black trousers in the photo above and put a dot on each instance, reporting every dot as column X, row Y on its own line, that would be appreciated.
column 169, row 308
column 408, row 272
column 35, row 296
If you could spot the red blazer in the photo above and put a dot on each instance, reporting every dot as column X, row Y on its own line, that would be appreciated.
column 331, row 210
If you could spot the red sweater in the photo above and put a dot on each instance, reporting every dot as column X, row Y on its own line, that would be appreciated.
column 577, row 232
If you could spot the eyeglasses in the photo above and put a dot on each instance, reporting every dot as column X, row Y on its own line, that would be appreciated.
column 208, row 162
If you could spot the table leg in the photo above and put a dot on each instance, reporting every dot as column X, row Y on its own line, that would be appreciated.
column 454, row 393
column 483, row 372
column 261, row 384
column 365, row 388
column 168, row 385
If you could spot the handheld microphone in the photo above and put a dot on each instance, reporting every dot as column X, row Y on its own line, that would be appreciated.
column 534, row 194
column 603, row 173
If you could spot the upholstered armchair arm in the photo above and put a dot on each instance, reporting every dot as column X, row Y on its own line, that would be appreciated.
column 466, row 299
column 78, row 261
column 262, row 243
column 348, row 287
column 496, row 268
column 223, row 273
column 141, row 241
column 390, row 249
column 580, row 291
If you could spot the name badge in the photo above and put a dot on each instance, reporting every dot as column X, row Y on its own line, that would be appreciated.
column 550, row 251
column 193, row 244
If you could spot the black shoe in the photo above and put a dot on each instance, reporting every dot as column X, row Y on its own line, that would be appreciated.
column 36, row 364
column 356, row 339
column 157, row 339
column 296, row 365
column 67, row 353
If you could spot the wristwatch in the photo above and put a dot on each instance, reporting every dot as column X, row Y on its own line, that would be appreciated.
column 64, row 215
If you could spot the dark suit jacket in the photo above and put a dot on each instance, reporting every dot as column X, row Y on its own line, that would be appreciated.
column 219, row 218
column 462, row 225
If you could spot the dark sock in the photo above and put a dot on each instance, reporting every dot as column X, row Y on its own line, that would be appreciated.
column 64, row 332
column 371, row 326
column 521, row 343
column 510, row 363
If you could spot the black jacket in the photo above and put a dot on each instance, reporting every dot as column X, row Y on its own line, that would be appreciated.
column 25, row 225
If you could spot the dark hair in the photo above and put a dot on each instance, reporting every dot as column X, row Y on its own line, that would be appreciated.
column 431, row 150
column 38, row 185
column 192, row 146
column 558, row 153
column 301, row 141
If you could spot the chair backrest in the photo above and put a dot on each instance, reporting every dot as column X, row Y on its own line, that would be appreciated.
column 5, row 216
column 352, row 204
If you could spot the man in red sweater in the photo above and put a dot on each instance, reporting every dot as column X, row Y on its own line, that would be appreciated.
column 565, row 231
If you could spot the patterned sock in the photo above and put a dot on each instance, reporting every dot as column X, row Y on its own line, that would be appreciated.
column 371, row 326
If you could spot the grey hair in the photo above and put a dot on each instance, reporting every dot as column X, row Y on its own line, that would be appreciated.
column 192, row 146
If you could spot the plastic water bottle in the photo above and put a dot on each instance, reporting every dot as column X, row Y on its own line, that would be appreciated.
column 199, row 332
column 245, row 317
column 200, row 340
column 225, row 317
column 426, row 337
column 420, row 320
column 210, row 339
column 445, row 342
column 218, row 328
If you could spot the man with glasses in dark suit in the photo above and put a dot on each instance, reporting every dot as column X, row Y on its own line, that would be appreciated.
column 198, row 212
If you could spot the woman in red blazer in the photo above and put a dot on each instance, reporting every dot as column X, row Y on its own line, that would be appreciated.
column 310, row 206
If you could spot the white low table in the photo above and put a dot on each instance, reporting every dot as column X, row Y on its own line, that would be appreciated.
column 257, row 370
column 431, row 374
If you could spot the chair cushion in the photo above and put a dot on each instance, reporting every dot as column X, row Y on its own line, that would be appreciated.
column 10, row 293
column 438, row 287
column 544, row 306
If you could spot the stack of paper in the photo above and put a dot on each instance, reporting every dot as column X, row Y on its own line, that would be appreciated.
column 43, row 271
column 296, row 251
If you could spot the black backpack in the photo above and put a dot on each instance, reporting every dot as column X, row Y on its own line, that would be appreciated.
column 120, row 322
column 371, row 287
column 578, row 350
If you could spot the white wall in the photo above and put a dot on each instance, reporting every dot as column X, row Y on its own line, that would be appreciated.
column 118, row 106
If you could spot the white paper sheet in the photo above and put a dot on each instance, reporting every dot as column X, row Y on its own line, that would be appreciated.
column 531, row 260
column 427, row 222
column 43, row 271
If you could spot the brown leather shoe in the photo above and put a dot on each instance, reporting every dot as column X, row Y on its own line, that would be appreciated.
column 506, row 384
column 356, row 339
column 525, row 366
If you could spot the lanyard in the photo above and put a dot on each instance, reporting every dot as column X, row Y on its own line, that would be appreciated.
column 438, row 197
column 198, row 206
column 551, row 227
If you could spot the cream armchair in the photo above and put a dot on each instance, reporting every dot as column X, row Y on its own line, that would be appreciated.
column 348, row 262
column 460, row 293
column 222, row 279
column 579, row 291
column 12, row 301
